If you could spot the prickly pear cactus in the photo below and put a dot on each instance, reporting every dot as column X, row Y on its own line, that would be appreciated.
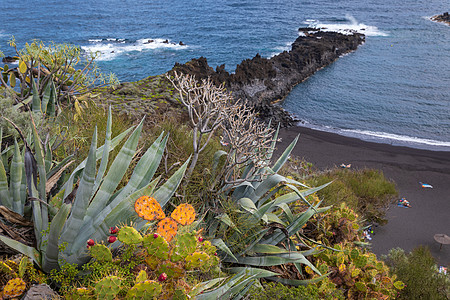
column 14, row 288
column 101, row 253
column 185, row 244
column 141, row 276
column 152, row 262
column 148, row 208
column 173, row 271
column 179, row 295
column 184, row 214
column 156, row 246
column 196, row 259
column 167, row 228
column 108, row 287
column 129, row 236
column 148, row 289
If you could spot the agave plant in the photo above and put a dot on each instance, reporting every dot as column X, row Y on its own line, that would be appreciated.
column 88, row 212
column 269, row 221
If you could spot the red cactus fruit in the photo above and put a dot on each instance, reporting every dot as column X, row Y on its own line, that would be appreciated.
column 215, row 254
column 113, row 230
column 90, row 242
column 112, row 239
column 200, row 239
column 162, row 277
column 155, row 235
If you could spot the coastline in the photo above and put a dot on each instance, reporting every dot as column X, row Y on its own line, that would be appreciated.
column 406, row 228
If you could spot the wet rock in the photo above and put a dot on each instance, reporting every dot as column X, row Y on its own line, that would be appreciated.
column 445, row 18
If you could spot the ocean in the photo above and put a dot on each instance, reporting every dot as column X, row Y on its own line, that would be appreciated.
column 394, row 89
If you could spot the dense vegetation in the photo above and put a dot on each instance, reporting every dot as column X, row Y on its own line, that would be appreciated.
column 186, row 202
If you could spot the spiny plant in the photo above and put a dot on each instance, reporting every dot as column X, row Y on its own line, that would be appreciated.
column 158, row 266
column 17, row 285
column 357, row 272
column 89, row 210
column 60, row 71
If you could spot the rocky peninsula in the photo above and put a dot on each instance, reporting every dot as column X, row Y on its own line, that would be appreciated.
column 264, row 82
column 444, row 18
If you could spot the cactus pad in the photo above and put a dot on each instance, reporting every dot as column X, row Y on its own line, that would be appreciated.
column 184, row 214
column 141, row 276
column 14, row 288
column 156, row 246
column 167, row 228
column 196, row 259
column 148, row 208
column 108, row 287
column 185, row 245
column 148, row 289
column 101, row 253
column 129, row 236
column 173, row 271
column 152, row 262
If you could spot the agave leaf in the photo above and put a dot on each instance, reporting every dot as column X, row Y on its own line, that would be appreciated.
column 36, row 104
column 205, row 285
column 271, row 217
column 295, row 282
column 166, row 191
column 283, row 158
column 148, row 164
column 156, row 160
column 219, row 292
column 16, row 180
column 240, row 190
column 259, row 273
column 265, row 261
column 268, row 249
column 115, row 174
column 68, row 186
column 81, row 202
column 22, row 248
column 40, row 211
column 46, row 96
column 4, row 191
column 219, row 243
column 287, row 212
column 48, row 158
column 274, row 142
column 105, row 155
column 50, row 257
column 240, row 288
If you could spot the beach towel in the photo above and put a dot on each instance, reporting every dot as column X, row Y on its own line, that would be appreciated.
column 426, row 185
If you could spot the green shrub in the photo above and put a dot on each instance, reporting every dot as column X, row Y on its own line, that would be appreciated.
column 366, row 191
column 418, row 271
column 278, row 291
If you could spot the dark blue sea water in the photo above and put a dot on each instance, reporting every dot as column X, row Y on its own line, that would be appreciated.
column 393, row 89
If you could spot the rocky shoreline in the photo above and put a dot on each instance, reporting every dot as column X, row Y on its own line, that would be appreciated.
column 263, row 82
column 444, row 18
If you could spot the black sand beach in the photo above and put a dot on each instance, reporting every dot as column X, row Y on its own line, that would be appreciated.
column 407, row 227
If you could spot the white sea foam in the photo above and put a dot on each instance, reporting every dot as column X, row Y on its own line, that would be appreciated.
column 383, row 137
column 110, row 48
column 281, row 49
column 349, row 27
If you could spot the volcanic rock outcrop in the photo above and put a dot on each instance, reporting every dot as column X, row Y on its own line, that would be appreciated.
column 263, row 82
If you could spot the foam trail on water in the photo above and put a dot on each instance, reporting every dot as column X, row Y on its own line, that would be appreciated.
column 281, row 49
column 351, row 25
column 110, row 48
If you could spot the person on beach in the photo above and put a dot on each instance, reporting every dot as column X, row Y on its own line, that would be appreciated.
column 404, row 202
